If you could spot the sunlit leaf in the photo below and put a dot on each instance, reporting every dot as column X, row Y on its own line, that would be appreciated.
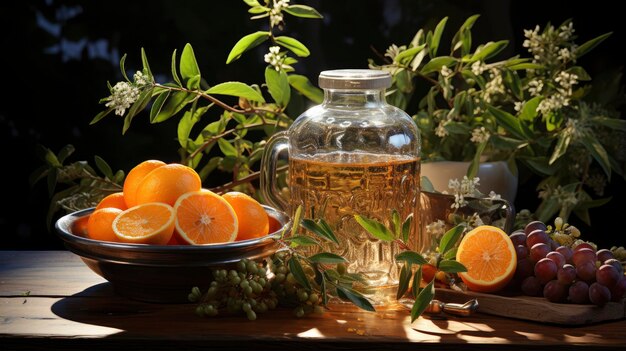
column 278, row 85
column 293, row 45
column 422, row 301
column 327, row 257
column 449, row 239
column 591, row 44
column 451, row 266
column 411, row 257
column 236, row 89
column 375, row 228
column 436, row 38
column 304, row 87
column 356, row 298
column 302, row 11
column 104, row 167
column 246, row 43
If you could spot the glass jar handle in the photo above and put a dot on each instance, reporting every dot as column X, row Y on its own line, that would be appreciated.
column 269, row 188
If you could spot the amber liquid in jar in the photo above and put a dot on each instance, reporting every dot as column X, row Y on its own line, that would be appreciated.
column 337, row 186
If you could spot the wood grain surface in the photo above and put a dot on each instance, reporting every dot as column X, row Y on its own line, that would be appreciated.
column 51, row 300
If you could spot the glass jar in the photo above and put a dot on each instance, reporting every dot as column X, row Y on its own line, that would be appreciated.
column 352, row 155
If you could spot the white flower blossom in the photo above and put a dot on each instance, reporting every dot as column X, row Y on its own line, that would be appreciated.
column 480, row 135
column 565, row 55
column 123, row 95
column 566, row 81
column 441, row 130
column 494, row 86
column 276, row 14
column 436, row 229
column 493, row 196
column 535, row 86
column 519, row 105
column 478, row 67
column 140, row 79
column 466, row 187
column 445, row 71
column 552, row 103
column 393, row 50
column 275, row 58
column 566, row 31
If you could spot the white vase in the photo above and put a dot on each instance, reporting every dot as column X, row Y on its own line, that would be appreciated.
column 494, row 176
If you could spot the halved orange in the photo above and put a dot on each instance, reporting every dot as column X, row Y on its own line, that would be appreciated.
column 252, row 218
column 489, row 256
column 203, row 217
column 150, row 223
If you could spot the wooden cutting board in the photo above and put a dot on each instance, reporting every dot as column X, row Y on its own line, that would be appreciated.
column 536, row 309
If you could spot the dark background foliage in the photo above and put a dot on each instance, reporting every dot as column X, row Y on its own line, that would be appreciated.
column 57, row 56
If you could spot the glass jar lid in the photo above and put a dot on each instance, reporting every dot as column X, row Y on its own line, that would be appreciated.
column 354, row 79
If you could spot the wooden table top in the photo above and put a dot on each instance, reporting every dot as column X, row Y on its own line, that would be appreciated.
column 51, row 300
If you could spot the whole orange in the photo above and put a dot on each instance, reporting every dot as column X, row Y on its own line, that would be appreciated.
column 100, row 224
column 167, row 183
column 252, row 218
column 135, row 176
column 115, row 200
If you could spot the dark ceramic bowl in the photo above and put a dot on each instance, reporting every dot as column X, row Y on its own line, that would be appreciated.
column 162, row 273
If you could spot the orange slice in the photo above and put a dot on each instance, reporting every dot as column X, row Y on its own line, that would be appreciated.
column 252, row 218
column 151, row 223
column 490, row 259
column 203, row 217
column 115, row 200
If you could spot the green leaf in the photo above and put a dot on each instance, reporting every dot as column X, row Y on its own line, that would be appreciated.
column 175, row 102
column 598, row 152
column 449, row 239
column 395, row 220
column 547, row 209
column 417, row 280
column 236, row 89
column 411, row 257
column 514, row 83
column 302, row 11
column 525, row 66
column 529, row 111
column 104, row 167
column 101, row 115
column 323, row 231
column 48, row 156
column 561, row 146
column 613, row 123
column 188, row 65
column 406, row 228
column 252, row 2
column 489, row 50
column 297, row 219
column 302, row 240
column 436, row 63
column 422, row 301
column 37, row 175
column 403, row 284
column 472, row 170
column 375, row 228
column 294, row 45
column 123, row 69
column 227, row 148
column 450, row 254
column 539, row 165
column 509, row 122
column 186, row 123
column 246, row 43
column 451, row 266
column 436, row 38
column 174, row 72
column 209, row 167
column 407, row 56
column 144, row 60
column 157, row 106
column 296, row 269
column 589, row 45
column 356, row 298
column 278, row 85
column 304, row 87
column 258, row 10
column 327, row 258
column 141, row 103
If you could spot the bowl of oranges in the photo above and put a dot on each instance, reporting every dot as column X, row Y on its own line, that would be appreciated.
column 164, row 234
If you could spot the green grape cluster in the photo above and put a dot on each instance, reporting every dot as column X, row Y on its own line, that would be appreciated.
column 253, row 288
column 290, row 293
column 244, row 289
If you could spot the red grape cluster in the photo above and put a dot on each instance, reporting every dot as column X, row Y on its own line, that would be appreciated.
column 580, row 275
